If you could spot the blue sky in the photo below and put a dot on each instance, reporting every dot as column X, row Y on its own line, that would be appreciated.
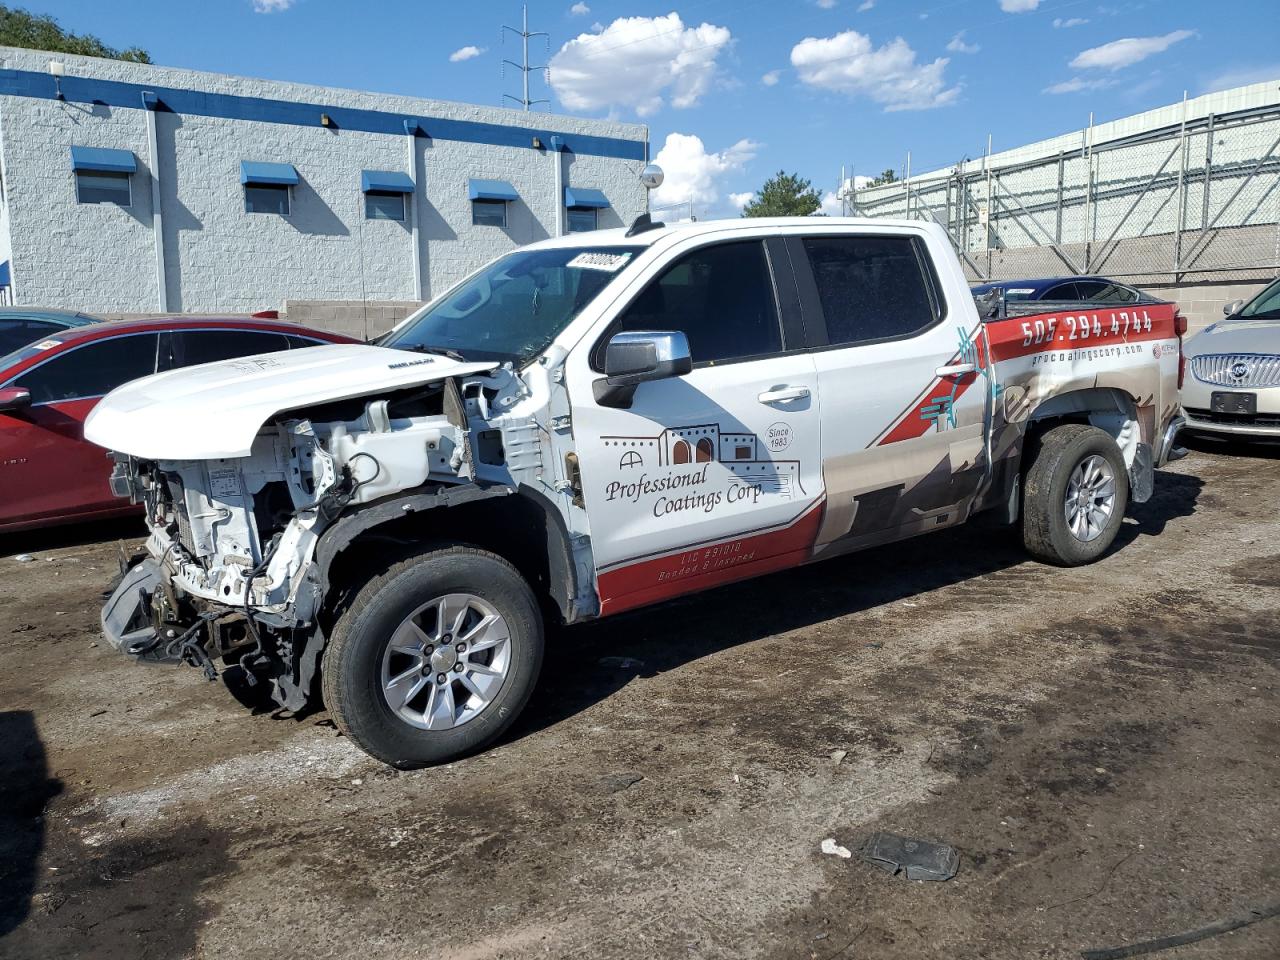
column 733, row 90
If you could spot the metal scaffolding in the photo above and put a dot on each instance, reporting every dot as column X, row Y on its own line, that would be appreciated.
column 1199, row 197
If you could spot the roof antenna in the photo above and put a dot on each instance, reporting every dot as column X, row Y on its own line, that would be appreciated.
column 643, row 224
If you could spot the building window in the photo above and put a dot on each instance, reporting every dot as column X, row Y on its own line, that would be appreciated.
column 582, row 219
column 703, row 452
column 680, row 452
column 96, row 186
column 266, row 198
column 489, row 213
column 382, row 205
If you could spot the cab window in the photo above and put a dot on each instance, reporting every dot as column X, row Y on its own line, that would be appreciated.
column 93, row 370
column 721, row 297
column 873, row 288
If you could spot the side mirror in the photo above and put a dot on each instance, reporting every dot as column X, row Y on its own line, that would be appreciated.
column 1232, row 308
column 14, row 398
column 636, row 356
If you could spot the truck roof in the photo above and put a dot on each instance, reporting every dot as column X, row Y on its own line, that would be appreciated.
column 756, row 225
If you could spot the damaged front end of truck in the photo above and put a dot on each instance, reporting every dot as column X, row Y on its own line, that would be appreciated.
column 229, row 581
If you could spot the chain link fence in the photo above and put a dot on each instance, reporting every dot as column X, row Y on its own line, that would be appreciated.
column 1198, row 201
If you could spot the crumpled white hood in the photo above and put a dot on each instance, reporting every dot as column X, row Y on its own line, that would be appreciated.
column 216, row 409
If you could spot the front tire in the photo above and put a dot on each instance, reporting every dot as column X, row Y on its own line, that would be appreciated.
column 435, row 658
column 1074, row 495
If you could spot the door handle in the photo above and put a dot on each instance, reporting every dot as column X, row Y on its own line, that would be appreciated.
column 783, row 394
column 955, row 369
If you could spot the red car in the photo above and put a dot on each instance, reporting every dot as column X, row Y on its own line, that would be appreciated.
column 48, row 472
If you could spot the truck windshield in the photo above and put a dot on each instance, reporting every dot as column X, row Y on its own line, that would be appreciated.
column 513, row 308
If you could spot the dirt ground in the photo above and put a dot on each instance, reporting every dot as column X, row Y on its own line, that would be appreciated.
column 1100, row 745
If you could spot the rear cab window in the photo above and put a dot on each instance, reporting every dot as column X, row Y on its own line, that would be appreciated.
column 873, row 289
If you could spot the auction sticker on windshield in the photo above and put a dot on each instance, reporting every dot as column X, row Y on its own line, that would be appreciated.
column 610, row 262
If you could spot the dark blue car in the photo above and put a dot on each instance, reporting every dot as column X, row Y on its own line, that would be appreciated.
column 1089, row 289
column 22, row 325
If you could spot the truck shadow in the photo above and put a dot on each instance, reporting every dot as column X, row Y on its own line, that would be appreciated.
column 73, row 535
column 25, row 791
column 587, row 664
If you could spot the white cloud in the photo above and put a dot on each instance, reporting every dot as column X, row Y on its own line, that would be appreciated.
column 957, row 44
column 636, row 62
column 691, row 172
column 740, row 200
column 848, row 63
column 826, row 4
column 1061, row 24
column 771, row 78
column 579, row 9
column 866, row 5
column 1243, row 76
column 271, row 6
column 465, row 53
column 1018, row 6
column 1077, row 84
column 1124, row 53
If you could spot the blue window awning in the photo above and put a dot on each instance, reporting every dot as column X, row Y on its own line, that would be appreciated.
column 491, row 190
column 585, row 197
column 102, row 160
column 4, row 274
column 271, row 174
column 385, row 181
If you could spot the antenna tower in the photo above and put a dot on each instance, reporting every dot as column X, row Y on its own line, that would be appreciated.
column 524, row 67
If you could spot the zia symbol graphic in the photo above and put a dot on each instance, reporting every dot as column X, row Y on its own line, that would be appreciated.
column 944, row 406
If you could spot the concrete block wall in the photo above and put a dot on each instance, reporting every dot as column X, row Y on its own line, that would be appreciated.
column 220, row 259
column 355, row 318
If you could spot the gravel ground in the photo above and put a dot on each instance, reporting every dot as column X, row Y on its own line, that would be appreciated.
column 1100, row 745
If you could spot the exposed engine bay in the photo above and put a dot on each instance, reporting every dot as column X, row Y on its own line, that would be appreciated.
column 230, row 570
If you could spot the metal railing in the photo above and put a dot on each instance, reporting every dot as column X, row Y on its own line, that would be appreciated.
column 1198, row 197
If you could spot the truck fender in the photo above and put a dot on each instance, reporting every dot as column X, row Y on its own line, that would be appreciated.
column 545, row 554
column 1114, row 411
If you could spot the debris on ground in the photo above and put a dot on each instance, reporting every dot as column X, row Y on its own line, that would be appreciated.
column 830, row 846
column 622, row 663
column 617, row 782
column 838, row 755
column 24, row 558
column 918, row 859
column 1191, row 936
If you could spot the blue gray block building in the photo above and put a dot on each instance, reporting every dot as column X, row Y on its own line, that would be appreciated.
column 130, row 188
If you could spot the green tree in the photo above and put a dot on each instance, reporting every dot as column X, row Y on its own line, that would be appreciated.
column 784, row 195
column 887, row 177
column 20, row 28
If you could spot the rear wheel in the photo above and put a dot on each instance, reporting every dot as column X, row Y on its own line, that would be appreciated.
column 1074, row 495
column 435, row 658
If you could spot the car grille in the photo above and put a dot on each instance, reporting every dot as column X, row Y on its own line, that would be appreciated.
column 1237, row 419
column 1260, row 369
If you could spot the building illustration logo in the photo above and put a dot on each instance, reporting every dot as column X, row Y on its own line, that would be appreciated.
column 745, row 455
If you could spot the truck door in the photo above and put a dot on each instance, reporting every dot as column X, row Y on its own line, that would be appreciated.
column 901, row 381
column 712, row 476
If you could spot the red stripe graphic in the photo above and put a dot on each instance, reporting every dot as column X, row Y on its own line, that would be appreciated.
column 1039, row 333
column 710, row 565
column 1079, row 330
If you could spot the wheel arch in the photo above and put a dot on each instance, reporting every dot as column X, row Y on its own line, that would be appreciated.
column 517, row 523
column 1108, row 408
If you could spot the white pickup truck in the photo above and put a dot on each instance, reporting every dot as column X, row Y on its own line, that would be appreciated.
column 596, row 423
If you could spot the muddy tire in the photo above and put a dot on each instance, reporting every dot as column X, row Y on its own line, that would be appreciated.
column 1075, row 492
column 435, row 658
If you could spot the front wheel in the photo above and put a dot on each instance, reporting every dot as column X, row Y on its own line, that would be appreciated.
column 1074, row 495
column 435, row 658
